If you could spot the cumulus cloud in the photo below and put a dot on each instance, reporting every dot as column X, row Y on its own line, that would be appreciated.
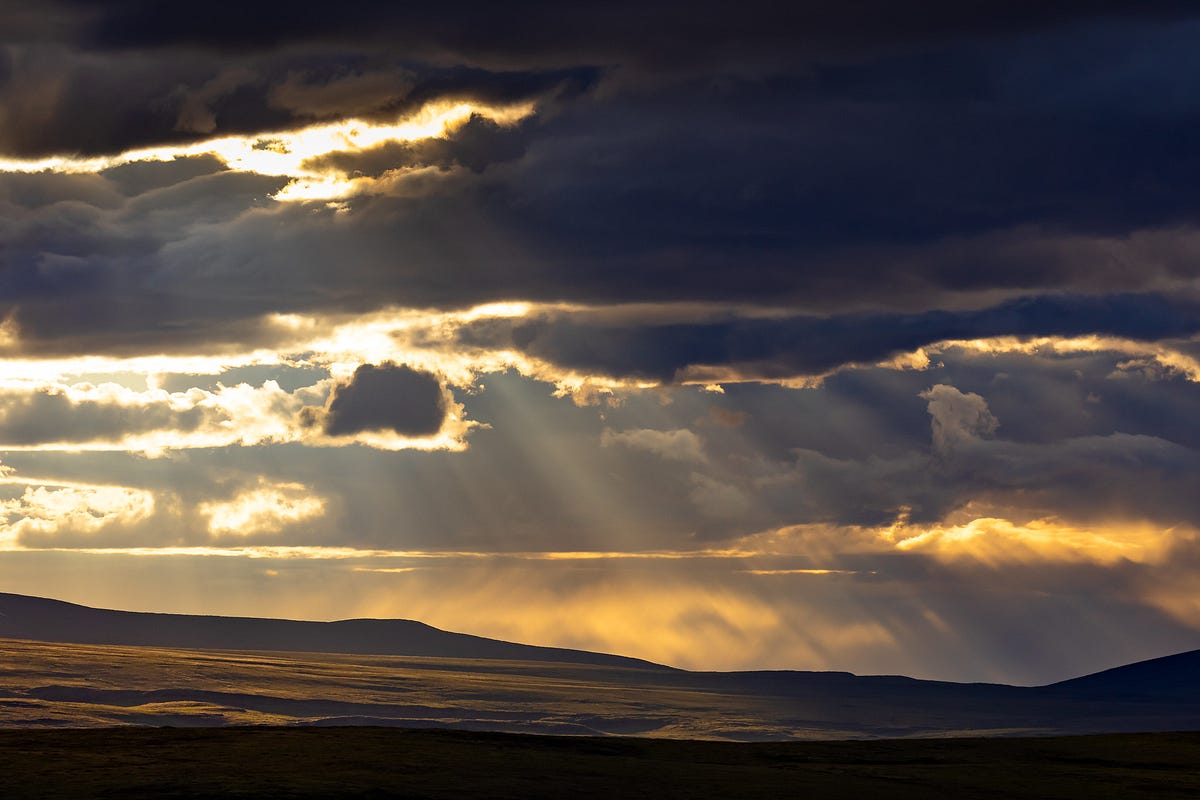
column 84, row 413
column 111, row 416
column 386, row 397
column 49, row 511
column 268, row 507
column 957, row 417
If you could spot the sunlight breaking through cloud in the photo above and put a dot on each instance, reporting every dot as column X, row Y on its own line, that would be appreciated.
column 50, row 508
column 292, row 154
column 126, row 391
column 267, row 507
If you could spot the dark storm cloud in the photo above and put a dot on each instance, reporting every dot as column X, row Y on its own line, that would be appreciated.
column 954, row 172
column 655, row 32
column 81, row 245
column 779, row 348
column 62, row 101
column 451, row 246
column 83, row 263
column 777, row 189
column 386, row 397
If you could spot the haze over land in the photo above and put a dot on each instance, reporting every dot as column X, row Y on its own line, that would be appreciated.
column 859, row 335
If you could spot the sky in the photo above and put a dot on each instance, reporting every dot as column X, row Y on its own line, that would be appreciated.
column 857, row 336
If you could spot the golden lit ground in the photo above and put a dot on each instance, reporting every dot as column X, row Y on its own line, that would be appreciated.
column 47, row 684
column 67, row 685
column 378, row 762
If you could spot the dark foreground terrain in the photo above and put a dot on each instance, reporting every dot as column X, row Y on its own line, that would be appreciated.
column 390, row 762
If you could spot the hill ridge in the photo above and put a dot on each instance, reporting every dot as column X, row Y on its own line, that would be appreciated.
column 47, row 619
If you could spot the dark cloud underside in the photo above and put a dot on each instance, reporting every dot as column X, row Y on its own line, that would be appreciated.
column 777, row 348
column 386, row 397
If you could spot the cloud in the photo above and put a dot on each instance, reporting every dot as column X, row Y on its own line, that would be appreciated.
column 85, row 413
column 346, row 93
column 268, row 507
column 780, row 346
column 385, row 407
column 1085, row 479
column 760, row 33
column 155, row 99
column 717, row 499
column 48, row 511
column 195, row 114
column 825, row 193
column 676, row 445
column 921, row 179
column 476, row 144
column 995, row 542
column 386, row 397
column 110, row 416
column 957, row 417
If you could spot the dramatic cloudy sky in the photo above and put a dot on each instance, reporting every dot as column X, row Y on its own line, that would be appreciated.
column 833, row 335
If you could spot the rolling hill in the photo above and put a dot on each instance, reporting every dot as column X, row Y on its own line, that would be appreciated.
column 43, row 619
column 68, row 665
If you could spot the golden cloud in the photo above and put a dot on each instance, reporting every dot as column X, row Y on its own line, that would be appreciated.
column 268, row 507
column 48, row 508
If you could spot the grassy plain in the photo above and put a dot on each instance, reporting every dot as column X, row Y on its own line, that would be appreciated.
column 46, row 684
column 54, row 685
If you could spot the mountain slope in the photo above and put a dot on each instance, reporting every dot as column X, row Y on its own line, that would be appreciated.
column 23, row 617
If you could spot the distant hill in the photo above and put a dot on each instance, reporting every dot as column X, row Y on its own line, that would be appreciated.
column 42, row 619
